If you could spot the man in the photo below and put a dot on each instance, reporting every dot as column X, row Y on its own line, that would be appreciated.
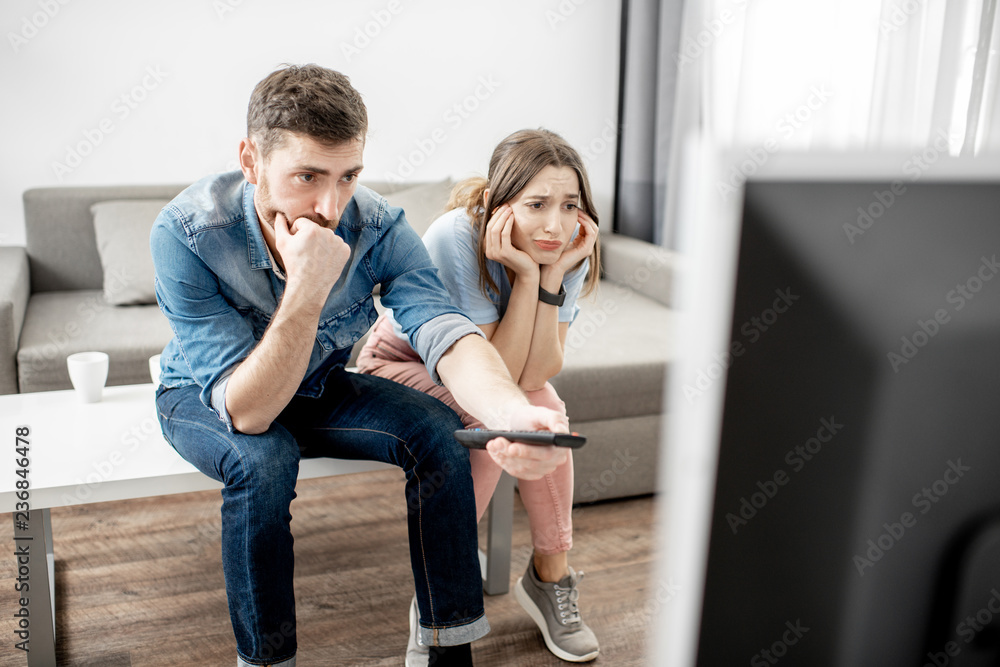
column 266, row 278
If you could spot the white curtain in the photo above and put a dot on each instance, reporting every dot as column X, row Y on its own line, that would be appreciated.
column 780, row 75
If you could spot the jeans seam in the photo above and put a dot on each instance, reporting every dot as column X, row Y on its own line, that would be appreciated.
column 366, row 430
column 420, row 531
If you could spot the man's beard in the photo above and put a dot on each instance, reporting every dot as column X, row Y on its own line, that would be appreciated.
column 268, row 212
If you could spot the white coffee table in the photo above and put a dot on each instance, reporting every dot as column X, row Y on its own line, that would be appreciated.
column 87, row 453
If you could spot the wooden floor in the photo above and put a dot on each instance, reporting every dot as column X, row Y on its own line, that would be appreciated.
column 140, row 582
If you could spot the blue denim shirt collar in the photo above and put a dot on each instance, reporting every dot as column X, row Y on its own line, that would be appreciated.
column 260, row 257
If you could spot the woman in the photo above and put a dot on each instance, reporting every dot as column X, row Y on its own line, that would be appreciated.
column 517, row 273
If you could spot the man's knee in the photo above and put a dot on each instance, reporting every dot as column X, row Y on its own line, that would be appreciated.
column 267, row 460
column 436, row 436
column 441, row 465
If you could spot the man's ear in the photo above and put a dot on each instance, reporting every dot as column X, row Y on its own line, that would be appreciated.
column 250, row 161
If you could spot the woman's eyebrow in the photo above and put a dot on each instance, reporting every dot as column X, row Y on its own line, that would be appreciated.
column 568, row 195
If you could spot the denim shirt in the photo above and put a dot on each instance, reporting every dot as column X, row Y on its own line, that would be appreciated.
column 217, row 286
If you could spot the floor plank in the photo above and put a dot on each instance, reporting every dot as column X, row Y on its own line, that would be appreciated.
column 140, row 582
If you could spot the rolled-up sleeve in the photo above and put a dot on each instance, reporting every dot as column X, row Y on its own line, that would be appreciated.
column 437, row 336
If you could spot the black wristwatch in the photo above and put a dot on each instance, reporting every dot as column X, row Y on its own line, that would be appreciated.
column 548, row 297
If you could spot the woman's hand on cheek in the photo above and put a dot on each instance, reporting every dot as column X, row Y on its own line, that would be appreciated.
column 582, row 246
column 498, row 245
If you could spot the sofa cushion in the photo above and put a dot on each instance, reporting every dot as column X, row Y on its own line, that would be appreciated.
column 423, row 204
column 617, row 353
column 122, row 229
column 620, row 459
column 58, row 324
column 644, row 267
column 59, row 232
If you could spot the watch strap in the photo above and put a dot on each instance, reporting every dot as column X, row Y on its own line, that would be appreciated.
column 548, row 297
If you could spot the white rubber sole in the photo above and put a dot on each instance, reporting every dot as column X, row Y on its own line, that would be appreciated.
column 539, row 618
column 414, row 621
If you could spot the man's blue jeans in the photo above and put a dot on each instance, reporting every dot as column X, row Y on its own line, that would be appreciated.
column 357, row 417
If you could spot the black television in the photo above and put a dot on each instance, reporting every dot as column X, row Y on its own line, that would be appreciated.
column 831, row 477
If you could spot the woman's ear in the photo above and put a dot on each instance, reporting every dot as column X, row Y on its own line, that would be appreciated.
column 486, row 196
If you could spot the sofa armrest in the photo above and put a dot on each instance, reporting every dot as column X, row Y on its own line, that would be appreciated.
column 15, row 288
column 646, row 268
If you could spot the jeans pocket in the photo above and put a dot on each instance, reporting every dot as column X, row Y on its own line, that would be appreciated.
column 167, row 399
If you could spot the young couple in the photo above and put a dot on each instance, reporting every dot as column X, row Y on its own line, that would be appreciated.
column 266, row 277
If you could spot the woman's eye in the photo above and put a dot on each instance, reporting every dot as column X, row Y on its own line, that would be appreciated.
column 535, row 205
column 572, row 206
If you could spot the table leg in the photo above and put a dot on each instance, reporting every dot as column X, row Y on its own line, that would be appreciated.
column 36, row 539
column 500, row 529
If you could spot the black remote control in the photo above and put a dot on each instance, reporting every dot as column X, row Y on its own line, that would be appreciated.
column 476, row 438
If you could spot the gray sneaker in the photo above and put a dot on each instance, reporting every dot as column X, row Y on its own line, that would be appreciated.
column 553, row 608
column 417, row 655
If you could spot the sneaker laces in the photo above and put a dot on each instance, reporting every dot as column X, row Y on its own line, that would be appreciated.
column 566, row 599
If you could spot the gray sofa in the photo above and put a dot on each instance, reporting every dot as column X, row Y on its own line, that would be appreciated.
column 57, row 295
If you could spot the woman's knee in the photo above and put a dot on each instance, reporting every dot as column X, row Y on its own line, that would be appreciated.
column 546, row 397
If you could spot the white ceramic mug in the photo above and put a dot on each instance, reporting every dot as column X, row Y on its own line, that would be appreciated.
column 88, row 371
column 154, row 369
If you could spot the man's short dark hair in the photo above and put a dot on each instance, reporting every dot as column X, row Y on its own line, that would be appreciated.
column 305, row 99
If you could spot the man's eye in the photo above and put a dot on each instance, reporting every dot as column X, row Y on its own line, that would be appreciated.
column 350, row 178
column 307, row 178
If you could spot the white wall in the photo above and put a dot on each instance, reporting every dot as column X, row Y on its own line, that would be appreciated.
column 118, row 91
